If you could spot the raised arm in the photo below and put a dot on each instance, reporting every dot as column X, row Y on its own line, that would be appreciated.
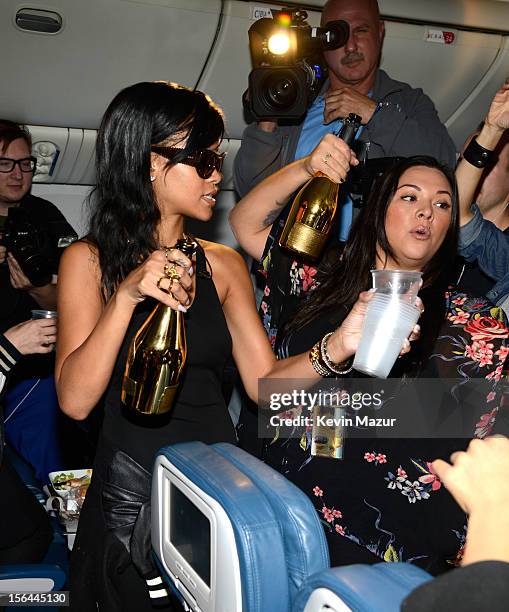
column 91, row 332
column 467, row 174
column 254, row 214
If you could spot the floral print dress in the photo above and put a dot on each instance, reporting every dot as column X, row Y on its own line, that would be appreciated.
column 383, row 501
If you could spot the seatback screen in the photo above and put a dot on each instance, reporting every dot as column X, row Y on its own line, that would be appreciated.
column 190, row 533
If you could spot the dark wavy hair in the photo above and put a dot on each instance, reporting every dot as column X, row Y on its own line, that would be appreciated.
column 343, row 277
column 124, row 212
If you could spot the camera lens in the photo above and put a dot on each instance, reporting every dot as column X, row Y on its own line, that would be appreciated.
column 280, row 90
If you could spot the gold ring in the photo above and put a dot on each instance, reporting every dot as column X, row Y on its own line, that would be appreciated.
column 170, row 271
column 158, row 284
column 326, row 157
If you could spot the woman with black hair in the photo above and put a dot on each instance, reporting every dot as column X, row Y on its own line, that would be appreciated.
column 383, row 501
column 158, row 163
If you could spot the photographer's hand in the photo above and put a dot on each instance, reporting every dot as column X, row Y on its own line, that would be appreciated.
column 339, row 103
column 45, row 296
column 18, row 278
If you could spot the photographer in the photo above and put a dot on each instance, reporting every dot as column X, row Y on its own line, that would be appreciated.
column 399, row 120
column 30, row 230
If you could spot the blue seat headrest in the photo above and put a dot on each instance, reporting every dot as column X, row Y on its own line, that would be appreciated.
column 257, row 532
column 366, row 588
column 304, row 540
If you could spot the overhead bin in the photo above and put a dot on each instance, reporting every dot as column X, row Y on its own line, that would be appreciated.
column 67, row 78
column 456, row 50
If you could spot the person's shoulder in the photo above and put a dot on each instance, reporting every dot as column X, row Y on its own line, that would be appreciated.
column 82, row 252
column 220, row 255
column 38, row 204
column 42, row 210
column 385, row 85
column 223, row 259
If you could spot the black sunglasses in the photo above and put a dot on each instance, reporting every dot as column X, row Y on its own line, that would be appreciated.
column 27, row 164
column 205, row 160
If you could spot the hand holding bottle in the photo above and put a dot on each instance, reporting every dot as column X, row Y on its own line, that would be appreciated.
column 332, row 157
column 165, row 275
column 309, row 222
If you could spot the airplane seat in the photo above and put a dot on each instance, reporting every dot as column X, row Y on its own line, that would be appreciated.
column 364, row 588
column 235, row 480
column 304, row 540
column 51, row 573
column 214, row 534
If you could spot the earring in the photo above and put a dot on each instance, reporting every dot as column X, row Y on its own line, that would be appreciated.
column 152, row 178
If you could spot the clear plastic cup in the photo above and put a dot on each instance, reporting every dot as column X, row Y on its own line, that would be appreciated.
column 44, row 314
column 390, row 318
column 402, row 284
column 388, row 322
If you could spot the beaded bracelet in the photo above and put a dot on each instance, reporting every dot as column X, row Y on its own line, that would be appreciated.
column 315, row 359
column 477, row 155
column 337, row 368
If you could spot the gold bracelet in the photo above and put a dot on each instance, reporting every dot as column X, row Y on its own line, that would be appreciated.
column 315, row 359
column 336, row 368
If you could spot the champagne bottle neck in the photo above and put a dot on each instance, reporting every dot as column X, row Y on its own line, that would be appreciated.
column 349, row 129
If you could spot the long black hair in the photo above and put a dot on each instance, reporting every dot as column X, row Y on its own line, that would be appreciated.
column 343, row 277
column 124, row 211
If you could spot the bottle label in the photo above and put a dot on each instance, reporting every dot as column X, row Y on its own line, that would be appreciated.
column 306, row 240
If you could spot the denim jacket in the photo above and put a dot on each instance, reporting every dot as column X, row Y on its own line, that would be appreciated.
column 482, row 241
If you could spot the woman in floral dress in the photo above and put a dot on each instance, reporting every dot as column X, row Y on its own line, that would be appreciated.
column 383, row 501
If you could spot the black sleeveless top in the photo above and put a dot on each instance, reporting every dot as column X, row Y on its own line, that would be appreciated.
column 199, row 411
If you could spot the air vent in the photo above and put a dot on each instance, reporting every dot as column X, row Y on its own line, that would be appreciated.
column 36, row 20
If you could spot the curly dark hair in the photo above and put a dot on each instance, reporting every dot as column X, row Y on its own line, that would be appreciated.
column 124, row 212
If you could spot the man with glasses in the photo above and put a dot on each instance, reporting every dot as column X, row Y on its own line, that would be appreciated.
column 31, row 412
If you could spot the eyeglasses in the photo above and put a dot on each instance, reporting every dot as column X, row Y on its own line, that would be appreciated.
column 205, row 160
column 27, row 164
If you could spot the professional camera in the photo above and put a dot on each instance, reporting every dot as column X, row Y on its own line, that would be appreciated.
column 35, row 249
column 288, row 65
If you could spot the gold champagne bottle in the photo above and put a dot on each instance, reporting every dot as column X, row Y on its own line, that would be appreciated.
column 156, row 357
column 309, row 222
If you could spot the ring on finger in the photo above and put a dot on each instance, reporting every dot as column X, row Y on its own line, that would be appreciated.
column 158, row 284
column 171, row 272
column 326, row 158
